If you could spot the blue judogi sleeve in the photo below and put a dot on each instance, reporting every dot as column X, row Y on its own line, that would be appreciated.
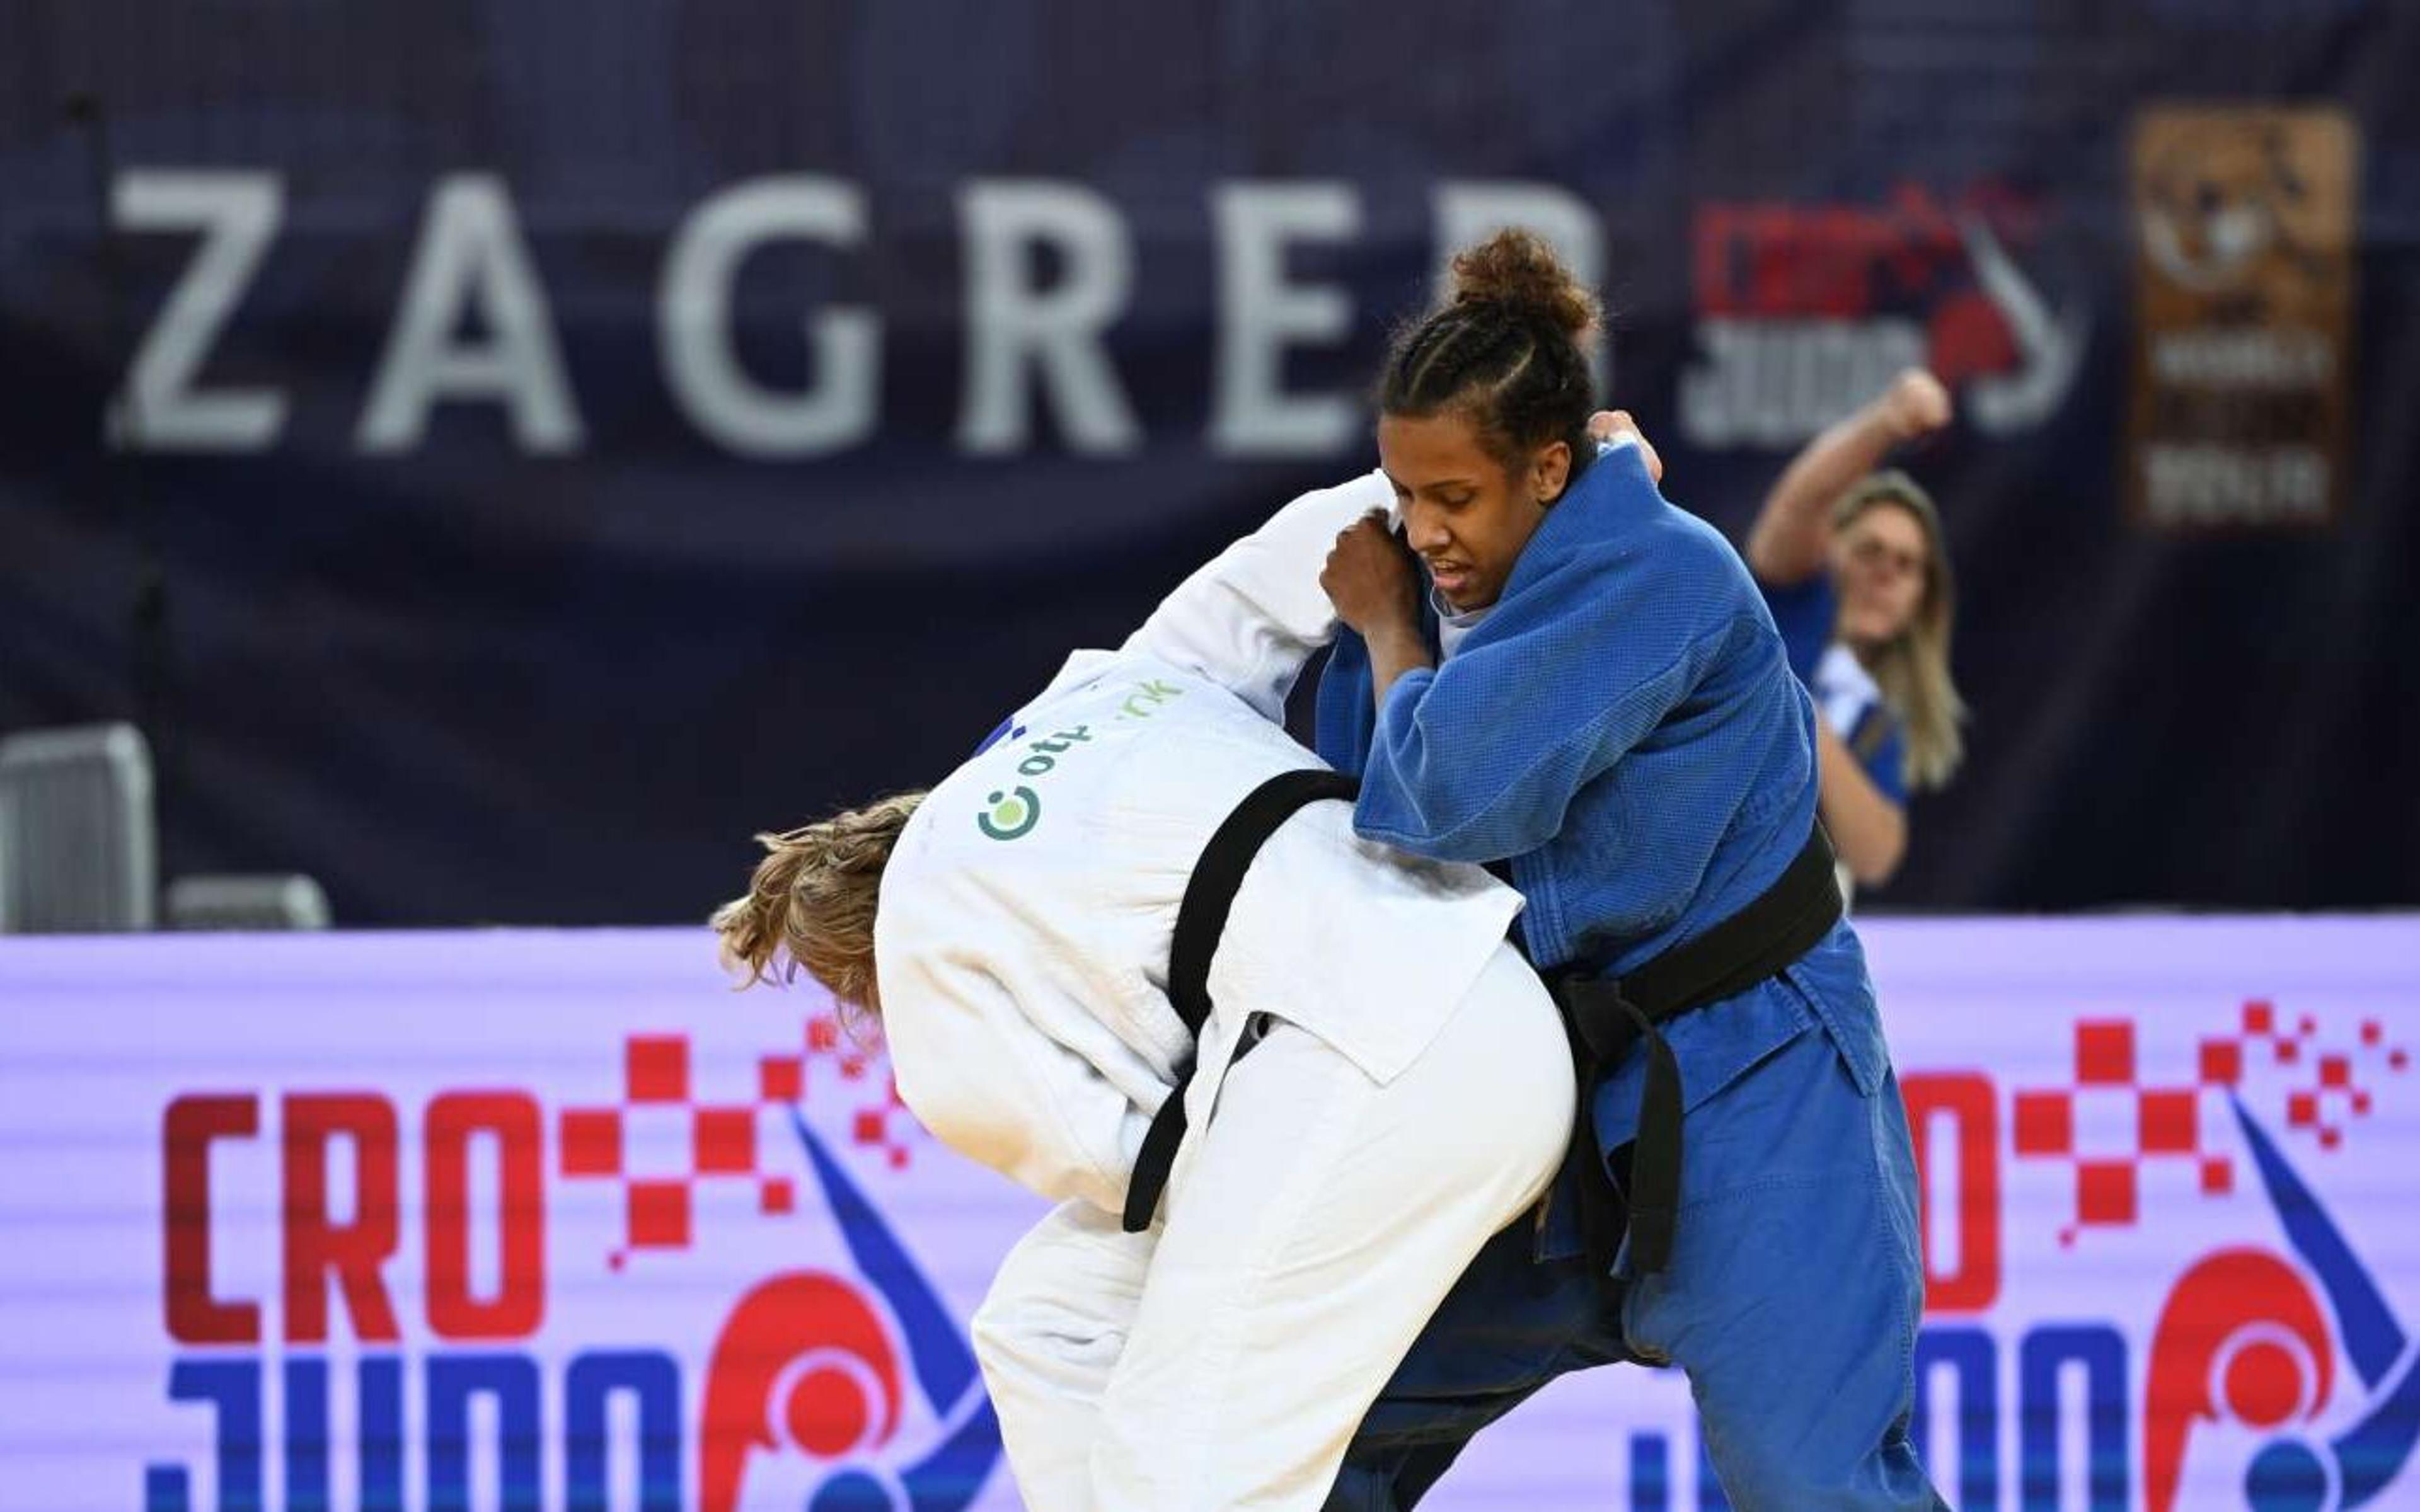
column 1479, row 760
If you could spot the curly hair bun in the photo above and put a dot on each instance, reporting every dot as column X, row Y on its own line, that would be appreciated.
column 1518, row 271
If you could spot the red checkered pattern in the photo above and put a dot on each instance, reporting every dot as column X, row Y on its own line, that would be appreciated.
column 2330, row 1087
column 723, row 1138
column 2107, row 1125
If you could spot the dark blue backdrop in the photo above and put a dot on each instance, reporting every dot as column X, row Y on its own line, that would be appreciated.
column 551, row 645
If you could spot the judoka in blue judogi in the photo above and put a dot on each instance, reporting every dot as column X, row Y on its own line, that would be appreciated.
column 1614, row 726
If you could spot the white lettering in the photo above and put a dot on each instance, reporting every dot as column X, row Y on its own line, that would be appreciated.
column 1775, row 383
column 2244, row 359
column 1017, row 331
column 2208, row 484
column 469, row 256
column 693, row 321
column 1260, row 314
column 159, row 410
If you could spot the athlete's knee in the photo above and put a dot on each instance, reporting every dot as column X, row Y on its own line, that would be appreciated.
column 1763, row 1473
column 996, row 1331
column 1029, row 1326
column 1013, row 1324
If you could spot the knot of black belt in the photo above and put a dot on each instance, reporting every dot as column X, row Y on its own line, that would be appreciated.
column 1608, row 1015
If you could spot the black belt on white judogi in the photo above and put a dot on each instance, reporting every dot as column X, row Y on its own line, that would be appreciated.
column 1200, row 919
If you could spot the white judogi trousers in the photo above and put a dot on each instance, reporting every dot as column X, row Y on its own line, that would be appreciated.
column 1315, row 1220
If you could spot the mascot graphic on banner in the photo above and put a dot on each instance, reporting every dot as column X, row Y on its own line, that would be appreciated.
column 2244, row 1338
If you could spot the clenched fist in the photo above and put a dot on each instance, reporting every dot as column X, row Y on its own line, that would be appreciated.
column 1915, row 405
column 1372, row 579
column 1607, row 424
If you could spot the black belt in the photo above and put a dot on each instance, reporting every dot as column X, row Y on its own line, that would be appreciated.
column 1200, row 919
column 1608, row 1015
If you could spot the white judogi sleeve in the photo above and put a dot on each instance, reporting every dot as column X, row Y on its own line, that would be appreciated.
column 1251, row 617
column 1845, row 690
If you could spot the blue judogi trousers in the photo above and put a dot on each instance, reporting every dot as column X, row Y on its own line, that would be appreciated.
column 1792, row 1301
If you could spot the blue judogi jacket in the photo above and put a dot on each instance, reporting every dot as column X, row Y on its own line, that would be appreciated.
column 1624, row 731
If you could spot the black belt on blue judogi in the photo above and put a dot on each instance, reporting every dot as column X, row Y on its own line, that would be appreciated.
column 1200, row 919
column 1606, row 1015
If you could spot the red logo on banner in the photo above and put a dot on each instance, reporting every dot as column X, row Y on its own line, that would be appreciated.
column 2242, row 1335
column 803, row 1359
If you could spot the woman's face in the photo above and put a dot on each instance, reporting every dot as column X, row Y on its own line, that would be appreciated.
column 1879, row 563
column 1464, row 514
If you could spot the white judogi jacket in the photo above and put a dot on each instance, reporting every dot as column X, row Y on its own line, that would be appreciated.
column 1022, row 934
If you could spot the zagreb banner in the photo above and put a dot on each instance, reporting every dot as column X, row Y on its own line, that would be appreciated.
column 525, row 1220
column 590, row 434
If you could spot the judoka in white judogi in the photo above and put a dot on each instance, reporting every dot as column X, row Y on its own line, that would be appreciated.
column 1407, row 1092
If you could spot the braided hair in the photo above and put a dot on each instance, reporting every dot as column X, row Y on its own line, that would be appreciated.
column 1508, row 348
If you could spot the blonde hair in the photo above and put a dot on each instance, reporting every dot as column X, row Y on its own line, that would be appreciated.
column 811, row 905
column 1911, row 668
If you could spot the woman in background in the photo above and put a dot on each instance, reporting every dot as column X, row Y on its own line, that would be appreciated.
column 1855, row 569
